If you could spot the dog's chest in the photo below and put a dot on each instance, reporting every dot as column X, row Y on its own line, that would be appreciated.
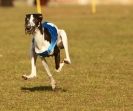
column 40, row 43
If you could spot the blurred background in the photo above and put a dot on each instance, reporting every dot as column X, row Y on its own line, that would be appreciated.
column 80, row 2
column 100, row 78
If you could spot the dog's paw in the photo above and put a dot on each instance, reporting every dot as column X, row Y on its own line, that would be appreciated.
column 53, row 84
column 59, row 69
column 25, row 77
column 67, row 61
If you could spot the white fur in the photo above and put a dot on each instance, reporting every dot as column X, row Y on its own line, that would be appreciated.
column 53, row 83
column 63, row 36
column 41, row 45
column 31, row 22
column 33, row 65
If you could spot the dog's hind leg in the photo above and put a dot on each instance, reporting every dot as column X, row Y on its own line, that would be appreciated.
column 53, row 83
column 58, row 65
column 33, row 65
column 63, row 36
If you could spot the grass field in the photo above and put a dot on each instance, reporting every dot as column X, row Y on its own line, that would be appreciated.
column 101, row 48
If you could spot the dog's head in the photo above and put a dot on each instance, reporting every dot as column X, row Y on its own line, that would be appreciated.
column 32, row 22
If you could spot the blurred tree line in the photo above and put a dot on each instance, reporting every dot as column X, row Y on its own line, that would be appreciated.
column 10, row 2
column 6, row 2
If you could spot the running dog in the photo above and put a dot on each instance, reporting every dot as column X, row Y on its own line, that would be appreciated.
column 47, row 40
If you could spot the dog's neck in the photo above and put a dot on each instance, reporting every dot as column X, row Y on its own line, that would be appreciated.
column 40, row 43
column 37, row 32
column 39, row 29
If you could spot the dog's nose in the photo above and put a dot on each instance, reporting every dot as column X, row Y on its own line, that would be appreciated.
column 28, row 27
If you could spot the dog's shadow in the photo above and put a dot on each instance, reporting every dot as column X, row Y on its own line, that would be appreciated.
column 42, row 88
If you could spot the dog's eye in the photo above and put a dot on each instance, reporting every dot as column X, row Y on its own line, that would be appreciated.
column 27, row 19
column 35, row 20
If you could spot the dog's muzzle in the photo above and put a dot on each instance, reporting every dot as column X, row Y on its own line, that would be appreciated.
column 29, row 29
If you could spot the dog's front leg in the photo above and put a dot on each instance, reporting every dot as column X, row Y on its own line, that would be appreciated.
column 53, row 83
column 33, row 65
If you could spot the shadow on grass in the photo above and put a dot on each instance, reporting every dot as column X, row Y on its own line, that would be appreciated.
column 42, row 88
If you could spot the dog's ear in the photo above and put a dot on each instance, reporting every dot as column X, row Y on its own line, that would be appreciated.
column 40, row 17
column 27, row 15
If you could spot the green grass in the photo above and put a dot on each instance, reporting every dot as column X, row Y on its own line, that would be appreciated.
column 100, row 77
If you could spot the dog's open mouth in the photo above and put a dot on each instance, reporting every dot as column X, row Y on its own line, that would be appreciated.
column 30, row 30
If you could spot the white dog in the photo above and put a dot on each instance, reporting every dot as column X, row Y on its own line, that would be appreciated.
column 47, row 41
